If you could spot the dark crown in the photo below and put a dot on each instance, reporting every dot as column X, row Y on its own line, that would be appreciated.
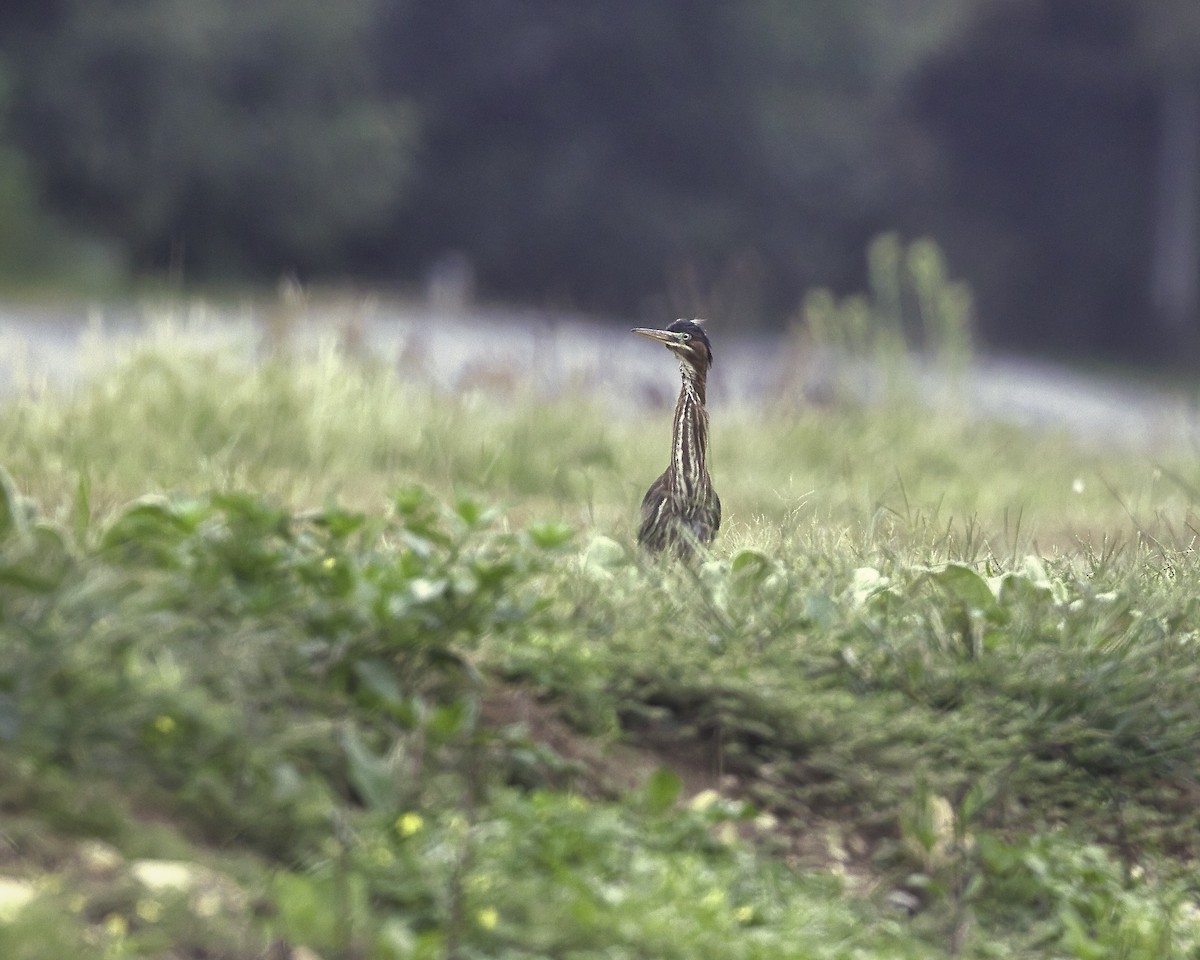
column 694, row 328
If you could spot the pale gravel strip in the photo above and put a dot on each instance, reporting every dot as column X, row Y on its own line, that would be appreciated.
column 49, row 349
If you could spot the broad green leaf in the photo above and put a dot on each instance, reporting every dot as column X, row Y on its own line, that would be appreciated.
column 340, row 523
column 1029, row 583
column 662, row 789
column 488, row 574
column 551, row 534
column 41, row 563
column 150, row 529
column 449, row 720
column 865, row 584
column 252, row 513
column 409, row 500
column 966, row 585
column 976, row 799
column 371, row 776
column 379, row 680
column 472, row 512
column 750, row 562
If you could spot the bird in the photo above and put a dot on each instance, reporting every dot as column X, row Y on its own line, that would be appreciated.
column 681, row 511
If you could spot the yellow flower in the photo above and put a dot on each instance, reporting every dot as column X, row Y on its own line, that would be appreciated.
column 488, row 917
column 409, row 823
column 164, row 724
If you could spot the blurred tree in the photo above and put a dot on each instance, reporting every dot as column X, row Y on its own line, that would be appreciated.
column 229, row 136
column 32, row 245
column 1069, row 131
column 1169, row 42
column 599, row 155
column 589, row 154
column 592, row 152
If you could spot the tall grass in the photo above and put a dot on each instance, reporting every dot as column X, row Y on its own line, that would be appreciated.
column 174, row 417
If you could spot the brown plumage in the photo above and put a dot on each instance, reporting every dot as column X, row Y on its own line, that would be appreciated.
column 681, row 510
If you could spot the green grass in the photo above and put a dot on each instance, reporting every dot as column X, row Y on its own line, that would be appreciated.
column 377, row 671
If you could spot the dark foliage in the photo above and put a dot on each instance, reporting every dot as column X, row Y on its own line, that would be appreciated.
column 1043, row 114
column 640, row 156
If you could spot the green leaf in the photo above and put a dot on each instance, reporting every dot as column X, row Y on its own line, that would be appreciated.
column 377, row 677
column 976, row 799
column 41, row 563
column 244, row 512
column 371, row 776
column 966, row 585
column 339, row 523
column 409, row 500
column 379, row 680
column 490, row 575
column 866, row 583
column 1029, row 584
column 12, row 518
column 470, row 511
column 551, row 534
column 449, row 721
column 751, row 564
column 662, row 789
column 150, row 529
column 81, row 510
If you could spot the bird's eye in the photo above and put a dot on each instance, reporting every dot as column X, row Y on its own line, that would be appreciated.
column 685, row 337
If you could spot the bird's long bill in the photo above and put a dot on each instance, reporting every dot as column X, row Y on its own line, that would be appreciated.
column 662, row 336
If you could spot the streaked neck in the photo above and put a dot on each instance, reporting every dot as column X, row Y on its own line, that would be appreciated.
column 689, row 449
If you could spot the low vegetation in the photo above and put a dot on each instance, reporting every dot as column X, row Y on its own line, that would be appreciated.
column 314, row 659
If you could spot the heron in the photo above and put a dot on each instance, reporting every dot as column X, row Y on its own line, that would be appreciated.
column 681, row 511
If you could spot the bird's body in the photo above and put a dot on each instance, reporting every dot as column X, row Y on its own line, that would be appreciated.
column 681, row 510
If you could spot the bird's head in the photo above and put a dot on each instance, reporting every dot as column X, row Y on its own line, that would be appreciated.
column 686, row 339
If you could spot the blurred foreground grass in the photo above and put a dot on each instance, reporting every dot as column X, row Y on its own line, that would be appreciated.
column 310, row 655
